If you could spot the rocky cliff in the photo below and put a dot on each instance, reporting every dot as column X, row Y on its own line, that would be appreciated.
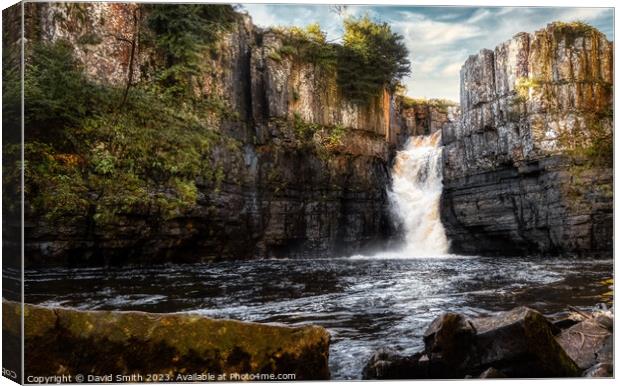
column 297, row 170
column 425, row 116
column 528, row 169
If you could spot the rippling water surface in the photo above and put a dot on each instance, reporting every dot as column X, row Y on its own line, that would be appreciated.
column 365, row 303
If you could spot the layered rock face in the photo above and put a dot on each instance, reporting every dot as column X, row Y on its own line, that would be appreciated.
column 425, row 117
column 303, row 173
column 528, row 168
column 178, row 347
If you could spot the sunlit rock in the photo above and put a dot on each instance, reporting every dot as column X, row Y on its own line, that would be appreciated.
column 531, row 154
column 64, row 341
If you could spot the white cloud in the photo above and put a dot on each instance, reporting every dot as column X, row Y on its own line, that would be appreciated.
column 452, row 69
column 423, row 31
column 261, row 15
column 588, row 14
column 479, row 15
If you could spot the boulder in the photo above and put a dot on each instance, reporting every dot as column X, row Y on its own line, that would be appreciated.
column 387, row 364
column 492, row 372
column 448, row 342
column 66, row 341
column 520, row 343
column 524, row 338
column 600, row 370
column 583, row 341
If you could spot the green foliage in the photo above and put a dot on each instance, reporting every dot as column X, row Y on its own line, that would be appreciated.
column 304, row 130
column 56, row 92
column 438, row 103
column 372, row 58
column 181, row 33
column 571, row 30
column 93, row 156
column 309, row 44
column 11, row 91
column 335, row 135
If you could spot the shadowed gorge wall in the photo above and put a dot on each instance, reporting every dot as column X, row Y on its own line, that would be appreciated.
column 288, row 167
column 529, row 167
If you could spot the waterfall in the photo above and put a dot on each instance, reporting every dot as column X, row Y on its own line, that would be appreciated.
column 415, row 194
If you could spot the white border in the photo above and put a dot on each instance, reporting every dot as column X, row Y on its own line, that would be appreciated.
column 474, row 3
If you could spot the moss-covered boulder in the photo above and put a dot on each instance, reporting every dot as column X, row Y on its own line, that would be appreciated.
column 66, row 341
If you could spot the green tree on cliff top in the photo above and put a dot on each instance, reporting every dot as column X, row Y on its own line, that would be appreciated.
column 372, row 58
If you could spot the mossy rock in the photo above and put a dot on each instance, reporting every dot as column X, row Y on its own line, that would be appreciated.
column 67, row 341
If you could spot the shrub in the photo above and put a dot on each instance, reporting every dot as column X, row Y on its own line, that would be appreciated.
column 86, row 151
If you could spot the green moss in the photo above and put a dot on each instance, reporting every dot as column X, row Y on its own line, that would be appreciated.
column 592, row 142
column 440, row 104
column 523, row 85
column 304, row 130
column 307, row 44
column 274, row 55
column 569, row 31
column 89, row 39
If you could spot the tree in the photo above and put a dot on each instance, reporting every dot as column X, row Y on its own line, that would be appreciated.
column 182, row 33
column 372, row 58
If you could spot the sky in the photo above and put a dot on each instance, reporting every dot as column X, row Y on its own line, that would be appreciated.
column 439, row 39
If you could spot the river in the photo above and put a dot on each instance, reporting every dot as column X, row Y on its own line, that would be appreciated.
column 365, row 303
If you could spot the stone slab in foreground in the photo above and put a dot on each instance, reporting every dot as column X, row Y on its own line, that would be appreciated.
column 520, row 343
column 66, row 341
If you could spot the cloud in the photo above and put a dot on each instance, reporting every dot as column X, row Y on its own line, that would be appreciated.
column 421, row 30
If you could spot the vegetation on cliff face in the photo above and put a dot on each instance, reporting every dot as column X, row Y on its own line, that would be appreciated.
column 438, row 103
column 90, row 150
column 370, row 59
column 181, row 35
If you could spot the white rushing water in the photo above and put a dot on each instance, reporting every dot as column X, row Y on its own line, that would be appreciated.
column 415, row 194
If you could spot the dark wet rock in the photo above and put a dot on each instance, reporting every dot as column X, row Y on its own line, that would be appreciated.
column 522, row 336
column 600, row 370
column 387, row 364
column 448, row 341
column 64, row 341
column 492, row 372
column 584, row 340
column 517, row 344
